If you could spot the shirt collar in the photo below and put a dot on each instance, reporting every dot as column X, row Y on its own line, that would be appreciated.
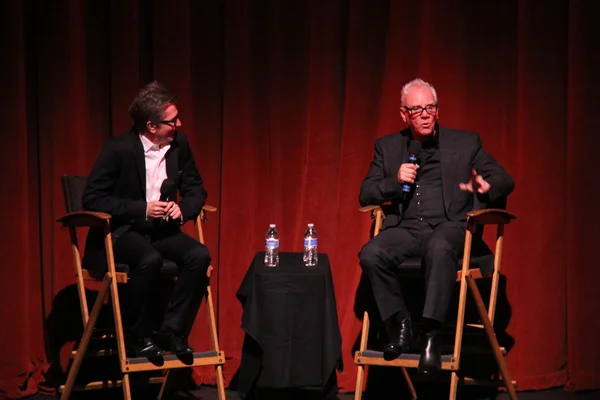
column 433, row 141
column 148, row 145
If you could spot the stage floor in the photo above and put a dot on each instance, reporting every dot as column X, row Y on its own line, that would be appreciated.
column 210, row 393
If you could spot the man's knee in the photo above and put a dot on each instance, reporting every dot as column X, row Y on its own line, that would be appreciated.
column 440, row 250
column 197, row 260
column 150, row 263
column 372, row 256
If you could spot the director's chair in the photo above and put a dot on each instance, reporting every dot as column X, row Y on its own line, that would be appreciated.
column 73, row 187
column 467, row 277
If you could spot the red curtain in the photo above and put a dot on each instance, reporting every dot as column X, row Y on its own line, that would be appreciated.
column 282, row 102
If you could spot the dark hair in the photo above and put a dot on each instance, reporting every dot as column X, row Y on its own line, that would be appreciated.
column 149, row 105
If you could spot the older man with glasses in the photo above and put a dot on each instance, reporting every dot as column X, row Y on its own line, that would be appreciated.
column 429, row 174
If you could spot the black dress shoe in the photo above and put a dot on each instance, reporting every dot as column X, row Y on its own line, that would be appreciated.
column 143, row 347
column 431, row 355
column 400, row 334
column 174, row 343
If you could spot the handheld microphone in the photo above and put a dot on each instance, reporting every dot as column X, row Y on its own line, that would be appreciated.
column 414, row 148
column 166, row 190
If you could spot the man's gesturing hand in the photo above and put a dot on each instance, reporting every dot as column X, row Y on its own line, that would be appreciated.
column 476, row 183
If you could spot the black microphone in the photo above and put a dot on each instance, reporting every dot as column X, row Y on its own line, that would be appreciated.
column 414, row 148
column 166, row 190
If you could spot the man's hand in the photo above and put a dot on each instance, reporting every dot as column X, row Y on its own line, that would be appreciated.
column 407, row 173
column 156, row 209
column 476, row 183
column 173, row 210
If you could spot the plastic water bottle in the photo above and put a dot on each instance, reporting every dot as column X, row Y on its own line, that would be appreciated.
column 310, row 257
column 272, row 247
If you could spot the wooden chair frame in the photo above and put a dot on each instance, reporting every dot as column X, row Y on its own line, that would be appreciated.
column 112, row 278
column 466, row 276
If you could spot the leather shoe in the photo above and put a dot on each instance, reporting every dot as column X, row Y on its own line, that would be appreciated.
column 400, row 334
column 143, row 347
column 431, row 355
column 174, row 343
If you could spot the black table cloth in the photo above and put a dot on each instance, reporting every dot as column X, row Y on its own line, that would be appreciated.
column 290, row 318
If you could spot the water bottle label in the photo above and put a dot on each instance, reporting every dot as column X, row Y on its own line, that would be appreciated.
column 310, row 242
column 272, row 243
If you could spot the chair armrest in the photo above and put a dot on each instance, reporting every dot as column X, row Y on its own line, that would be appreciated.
column 368, row 208
column 490, row 216
column 208, row 208
column 205, row 208
column 376, row 212
column 84, row 219
column 375, row 208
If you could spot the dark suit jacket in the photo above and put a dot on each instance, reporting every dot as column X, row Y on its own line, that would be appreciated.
column 117, row 186
column 460, row 153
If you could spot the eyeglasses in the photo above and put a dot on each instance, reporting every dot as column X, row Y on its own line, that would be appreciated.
column 416, row 111
column 171, row 122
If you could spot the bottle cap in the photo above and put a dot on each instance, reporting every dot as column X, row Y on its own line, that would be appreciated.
column 311, row 225
column 271, row 225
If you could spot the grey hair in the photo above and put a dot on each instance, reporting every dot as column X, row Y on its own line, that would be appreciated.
column 416, row 83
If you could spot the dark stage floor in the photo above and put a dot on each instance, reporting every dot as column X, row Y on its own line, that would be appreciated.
column 210, row 393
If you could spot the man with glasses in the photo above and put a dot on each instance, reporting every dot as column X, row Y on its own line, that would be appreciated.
column 136, row 179
column 427, row 219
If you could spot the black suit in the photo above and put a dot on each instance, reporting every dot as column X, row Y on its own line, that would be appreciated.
column 439, row 242
column 117, row 186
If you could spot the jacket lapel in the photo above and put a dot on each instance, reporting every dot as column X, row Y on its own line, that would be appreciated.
column 448, row 159
column 140, row 162
column 398, row 149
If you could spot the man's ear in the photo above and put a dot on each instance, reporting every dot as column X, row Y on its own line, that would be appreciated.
column 403, row 115
column 150, row 127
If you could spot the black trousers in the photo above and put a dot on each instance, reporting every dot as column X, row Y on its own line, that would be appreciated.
column 439, row 246
column 143, row 251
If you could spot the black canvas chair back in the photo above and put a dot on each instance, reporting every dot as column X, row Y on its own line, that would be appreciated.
column 73, row 187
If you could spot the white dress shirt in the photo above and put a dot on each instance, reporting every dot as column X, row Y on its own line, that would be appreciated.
column 156, row 168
